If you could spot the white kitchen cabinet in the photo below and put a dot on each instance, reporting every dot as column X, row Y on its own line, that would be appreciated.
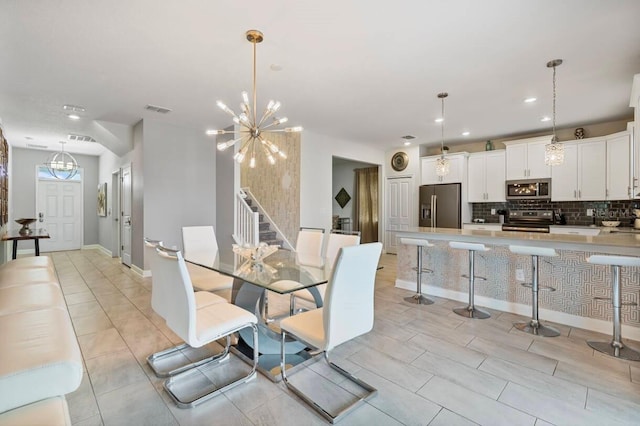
column 483, row 226
column 583, row 174
column 457, row 168
column 634, row 130
column 525, row 158
column 619, row 166
column 486, row 176
column 570, row 230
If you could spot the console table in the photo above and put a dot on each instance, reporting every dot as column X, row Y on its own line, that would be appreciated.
column 15, row 236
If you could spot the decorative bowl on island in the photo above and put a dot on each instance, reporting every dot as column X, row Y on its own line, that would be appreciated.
column 610, row 223
column 25, row 230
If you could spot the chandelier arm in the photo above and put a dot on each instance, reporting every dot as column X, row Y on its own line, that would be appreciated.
column 268, row 113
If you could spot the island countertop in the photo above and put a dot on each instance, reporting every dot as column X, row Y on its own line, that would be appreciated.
column 617, row 243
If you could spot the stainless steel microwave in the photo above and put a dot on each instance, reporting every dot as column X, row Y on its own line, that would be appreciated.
column 528, row 189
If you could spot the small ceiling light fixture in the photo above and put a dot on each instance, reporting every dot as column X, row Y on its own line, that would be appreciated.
column 545, row 119
column 439, row 120
column 73, row 116
column 554, row 151
column 530, row 100
column 61, row 164
column 251, row 134
column 442, row 163
column 466, row 133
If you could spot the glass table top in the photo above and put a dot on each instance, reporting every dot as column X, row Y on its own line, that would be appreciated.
column 283, row 271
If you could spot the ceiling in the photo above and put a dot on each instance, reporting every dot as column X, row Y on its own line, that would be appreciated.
column 359, row 70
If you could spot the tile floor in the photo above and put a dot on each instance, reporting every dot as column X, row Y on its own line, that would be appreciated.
column 431, row 367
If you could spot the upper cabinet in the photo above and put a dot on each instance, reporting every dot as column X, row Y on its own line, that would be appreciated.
column 583, row 174
column 619, row 166
column 457, row 169
column 634, row 102
column 525, row 158
column 486, row 177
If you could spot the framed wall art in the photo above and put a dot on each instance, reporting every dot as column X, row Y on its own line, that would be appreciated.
column 102, row 199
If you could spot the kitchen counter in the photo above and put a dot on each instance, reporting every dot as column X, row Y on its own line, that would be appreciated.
column 618, row 243
column 577, row 282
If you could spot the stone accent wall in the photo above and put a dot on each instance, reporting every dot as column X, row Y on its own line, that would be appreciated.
column 277, row 187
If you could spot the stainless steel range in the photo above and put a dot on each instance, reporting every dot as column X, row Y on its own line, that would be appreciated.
column 529, row 221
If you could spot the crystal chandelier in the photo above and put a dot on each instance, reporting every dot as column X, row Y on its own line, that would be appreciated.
column 554, row 151
column 251, row 134
column 442, row 163
column 61, row 164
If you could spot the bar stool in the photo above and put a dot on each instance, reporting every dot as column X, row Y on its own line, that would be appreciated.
column 470, row 311
column 418, row 298
column 615, row 348
column 534, row 326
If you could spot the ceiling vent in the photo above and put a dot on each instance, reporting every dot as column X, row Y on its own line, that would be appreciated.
column 155, row 108
column 80, row 138
column 35, row 146
column 408, row 137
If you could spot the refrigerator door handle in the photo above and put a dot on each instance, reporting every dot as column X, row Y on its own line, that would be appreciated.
column 434, row 210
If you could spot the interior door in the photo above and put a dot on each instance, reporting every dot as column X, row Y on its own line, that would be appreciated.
column 59, row 207
column 125, row 215
column 399, row 208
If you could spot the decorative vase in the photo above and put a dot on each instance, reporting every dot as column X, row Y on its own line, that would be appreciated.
column 488, row 146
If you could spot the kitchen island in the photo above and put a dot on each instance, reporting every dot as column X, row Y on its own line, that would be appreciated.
column 576, row 281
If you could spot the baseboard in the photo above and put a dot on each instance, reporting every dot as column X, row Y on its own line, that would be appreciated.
column 97, row 247
column 143, row 273
column 30, row 252
column 592, row 324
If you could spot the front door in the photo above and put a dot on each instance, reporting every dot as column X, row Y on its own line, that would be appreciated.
column 399, row 208
column 59, row 208
column 125, row 215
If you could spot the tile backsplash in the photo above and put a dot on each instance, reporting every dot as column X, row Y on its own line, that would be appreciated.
column 575, row 211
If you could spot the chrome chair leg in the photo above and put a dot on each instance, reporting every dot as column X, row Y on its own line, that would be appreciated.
column 616, row 348
column 331, row 418
column 174, row 387
column 154, row 359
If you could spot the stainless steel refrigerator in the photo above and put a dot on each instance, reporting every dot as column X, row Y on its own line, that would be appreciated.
column 440, row 205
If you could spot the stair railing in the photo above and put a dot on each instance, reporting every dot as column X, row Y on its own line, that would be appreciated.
column 286, row 244
column 247, row 222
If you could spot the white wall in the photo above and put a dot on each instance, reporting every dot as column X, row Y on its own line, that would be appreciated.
column 316, row 197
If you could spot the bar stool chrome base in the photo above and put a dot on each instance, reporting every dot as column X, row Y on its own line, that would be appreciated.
column 471, row 312
column 619, row 351
column 419, row 299
column 536, row 329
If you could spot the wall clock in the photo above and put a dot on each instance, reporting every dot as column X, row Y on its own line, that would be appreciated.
column 399, row 161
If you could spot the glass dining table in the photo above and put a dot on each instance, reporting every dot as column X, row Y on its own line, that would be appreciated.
column 281, row 272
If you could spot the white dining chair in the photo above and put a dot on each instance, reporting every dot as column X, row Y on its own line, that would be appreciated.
column 347, row 313
column 335, row 242
column 200, row 246
column 198, row 327
column 161, row 303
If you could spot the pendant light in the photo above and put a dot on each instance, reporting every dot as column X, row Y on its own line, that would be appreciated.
column 442, row 163
column 252, row 135
column 554, row 151
column 61, row 164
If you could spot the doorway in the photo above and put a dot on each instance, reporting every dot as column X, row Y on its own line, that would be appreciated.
column 59, row 207
column 114, row 211
column 399, row 193
column 356, row 209
column 125, row 215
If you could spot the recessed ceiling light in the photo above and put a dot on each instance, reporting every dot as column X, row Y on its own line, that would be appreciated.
column 530, row 100
column 545, row 118
column 73, row 108
column 439, row 120
column 465, row 133
column 73, row 116
column 407, row 143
